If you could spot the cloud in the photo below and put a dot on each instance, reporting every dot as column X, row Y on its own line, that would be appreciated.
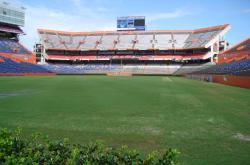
column 102, row 9
column 76, row 2
column 85, row 19
column 246, row 11
column 167, row 15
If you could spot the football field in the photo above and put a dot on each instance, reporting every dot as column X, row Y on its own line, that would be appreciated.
column 208, row 123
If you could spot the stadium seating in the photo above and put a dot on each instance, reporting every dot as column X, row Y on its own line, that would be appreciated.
column 144, row 42
column 242, row 46
column 241, row 67
column 8, row 66
column 200, row 39
column 186, row 69
column 107, row 42
column 162, row 40
column 125, row 42
column 12, row 46
column 180, row 40
column 10, row 29
column 236, row 52
column 91, row 42
column 102, row 68
column 77, row 69
column 65, row 38
column 77, row 41
column 146, row 48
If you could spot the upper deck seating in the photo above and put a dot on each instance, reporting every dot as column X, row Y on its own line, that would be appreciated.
column 144, row 42
column 108, row 42
column 163, row 41
column 48, row 43
column 200, row 39
column 54, row 41
column 10, row 29
column 91, row 42
column 12, row 46
column 243, row 46
column 77, row 42
column 126, row 41
column 180, row 39
column 66, row 39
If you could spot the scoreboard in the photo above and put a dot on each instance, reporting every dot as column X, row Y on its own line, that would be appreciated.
column 12, row 14
column 131, row 23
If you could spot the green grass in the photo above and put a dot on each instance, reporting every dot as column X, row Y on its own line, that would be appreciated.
column 147, row 113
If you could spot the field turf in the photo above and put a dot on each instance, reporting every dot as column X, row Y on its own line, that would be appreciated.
column 209, row 123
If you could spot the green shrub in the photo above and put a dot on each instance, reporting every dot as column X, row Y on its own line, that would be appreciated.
column 40, row 150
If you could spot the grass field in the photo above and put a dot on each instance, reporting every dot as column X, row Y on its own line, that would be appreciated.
column 208, row 123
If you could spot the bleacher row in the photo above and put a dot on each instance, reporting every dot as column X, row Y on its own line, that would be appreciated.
column 114, row 68
column 125, row 41
column 10, row 67
column 10, row 29
column 177, row 57
column 241, row 68
column 12, row 46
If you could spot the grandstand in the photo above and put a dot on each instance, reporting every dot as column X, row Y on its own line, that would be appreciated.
column 153, row 51
column 233, row 62
column 236, row 52
column 15, row 59
column 161, row 52
column 10, row 67
column 132, row 48
column 11, row 20
column 239, row 67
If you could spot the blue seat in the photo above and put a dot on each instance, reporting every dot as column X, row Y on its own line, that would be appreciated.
column 79, row 69
column 12, row 46
column 234, row 68
column 9, row 66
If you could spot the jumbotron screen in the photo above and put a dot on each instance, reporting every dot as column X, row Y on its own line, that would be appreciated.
column 131, row 23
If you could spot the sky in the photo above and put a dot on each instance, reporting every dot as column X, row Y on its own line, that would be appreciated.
column 91, row 15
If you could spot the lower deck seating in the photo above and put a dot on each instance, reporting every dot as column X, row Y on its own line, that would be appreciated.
column 186, row 69
column 105, row 68
column 78, row 69
column 241, row 67
column 8, row 66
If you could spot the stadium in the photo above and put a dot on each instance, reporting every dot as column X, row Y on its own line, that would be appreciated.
column 131, row 49
column 148, row 89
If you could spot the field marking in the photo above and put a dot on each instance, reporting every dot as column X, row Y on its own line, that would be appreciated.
column 211, row 120
column 242, row 137
column 166, row 79
column 12, row 94
column 137, row 130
